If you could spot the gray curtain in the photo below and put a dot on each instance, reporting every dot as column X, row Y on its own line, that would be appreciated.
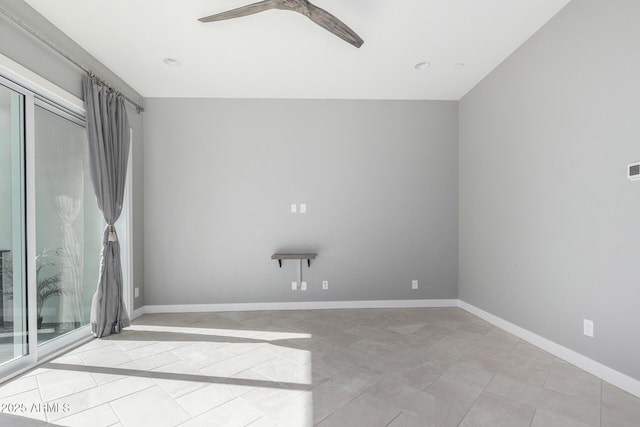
column 108, row 134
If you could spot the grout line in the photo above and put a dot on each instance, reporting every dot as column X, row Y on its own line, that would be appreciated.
column 46, row 415
column 260, row 418
column 601, row 399
column 535, row 412
column 338, row 408
column 394, row 418
column 476, row 399
column 544, row 385
column 116, row 414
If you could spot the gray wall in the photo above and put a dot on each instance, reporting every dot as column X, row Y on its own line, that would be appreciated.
column 379, row 178
column 29, row 52
column 549, row 224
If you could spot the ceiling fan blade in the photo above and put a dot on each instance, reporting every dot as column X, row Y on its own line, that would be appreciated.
column 334, row 25
column 241, row 11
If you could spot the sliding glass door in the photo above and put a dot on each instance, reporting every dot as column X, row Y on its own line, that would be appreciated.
column 68, row 224
column 13, row 289
column 50, row 227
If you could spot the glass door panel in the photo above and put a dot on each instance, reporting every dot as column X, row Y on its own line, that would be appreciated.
column 13, row 307
column 68, row 225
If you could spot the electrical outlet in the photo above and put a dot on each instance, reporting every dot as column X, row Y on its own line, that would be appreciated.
column 325, row 285
column 588, row 328
column 136, row 292
column 303, row 286
column 294, row 208
column 303, row 208
column 414, row 284
column 294, row 286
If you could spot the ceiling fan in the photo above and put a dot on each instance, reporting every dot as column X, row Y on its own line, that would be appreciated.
column 316, row 14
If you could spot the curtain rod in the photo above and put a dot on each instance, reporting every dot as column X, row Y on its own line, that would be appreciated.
column 60, row 52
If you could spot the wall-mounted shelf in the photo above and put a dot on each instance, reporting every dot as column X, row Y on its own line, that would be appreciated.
column 299, row 257
column 280, row 257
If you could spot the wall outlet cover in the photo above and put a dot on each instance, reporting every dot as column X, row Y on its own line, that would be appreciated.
column 136, row 292
column 303, row 208
column 325, row 285
column 294, row 208
column 303, row 286
column 294, row 286
column 414, row 284
column 588, row 328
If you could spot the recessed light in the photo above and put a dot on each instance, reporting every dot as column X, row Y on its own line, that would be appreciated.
column 422, row 65
column 459, row 65
column 171, row 62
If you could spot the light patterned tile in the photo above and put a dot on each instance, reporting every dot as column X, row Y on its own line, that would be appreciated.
column 530, row 352
column 413, row 401
column 154, row 361
column 100, row 395
column 106, row 357
column 568, row 379
column 407, row 420
column 406, row 367
column 231, row 414
column 59, row 383
column 329, row 397
column 263, row 422
column 287, row 407
column 240, row 363
column 551, row 401
column 619, row 408
column 17, row 386
column 202, row 354
column 406, row 328
column 365, row 410
column 100, row 416
column 380, row 335
column 26, row 405
column 155, row 347
column 548, row 419
column 284, row 370
column 298, row 355
column 206, row 398
column 150, row 407
column 491, row 410
column 94, row 344
column 178, row 378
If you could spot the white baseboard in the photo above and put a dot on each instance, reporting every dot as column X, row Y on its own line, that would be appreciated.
column 137, row 313
column 620, row 380
column 299, row 305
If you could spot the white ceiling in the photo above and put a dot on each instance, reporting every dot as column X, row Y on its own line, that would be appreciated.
column 282, row 54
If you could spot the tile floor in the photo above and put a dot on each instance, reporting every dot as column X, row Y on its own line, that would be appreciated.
column 383, row 367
